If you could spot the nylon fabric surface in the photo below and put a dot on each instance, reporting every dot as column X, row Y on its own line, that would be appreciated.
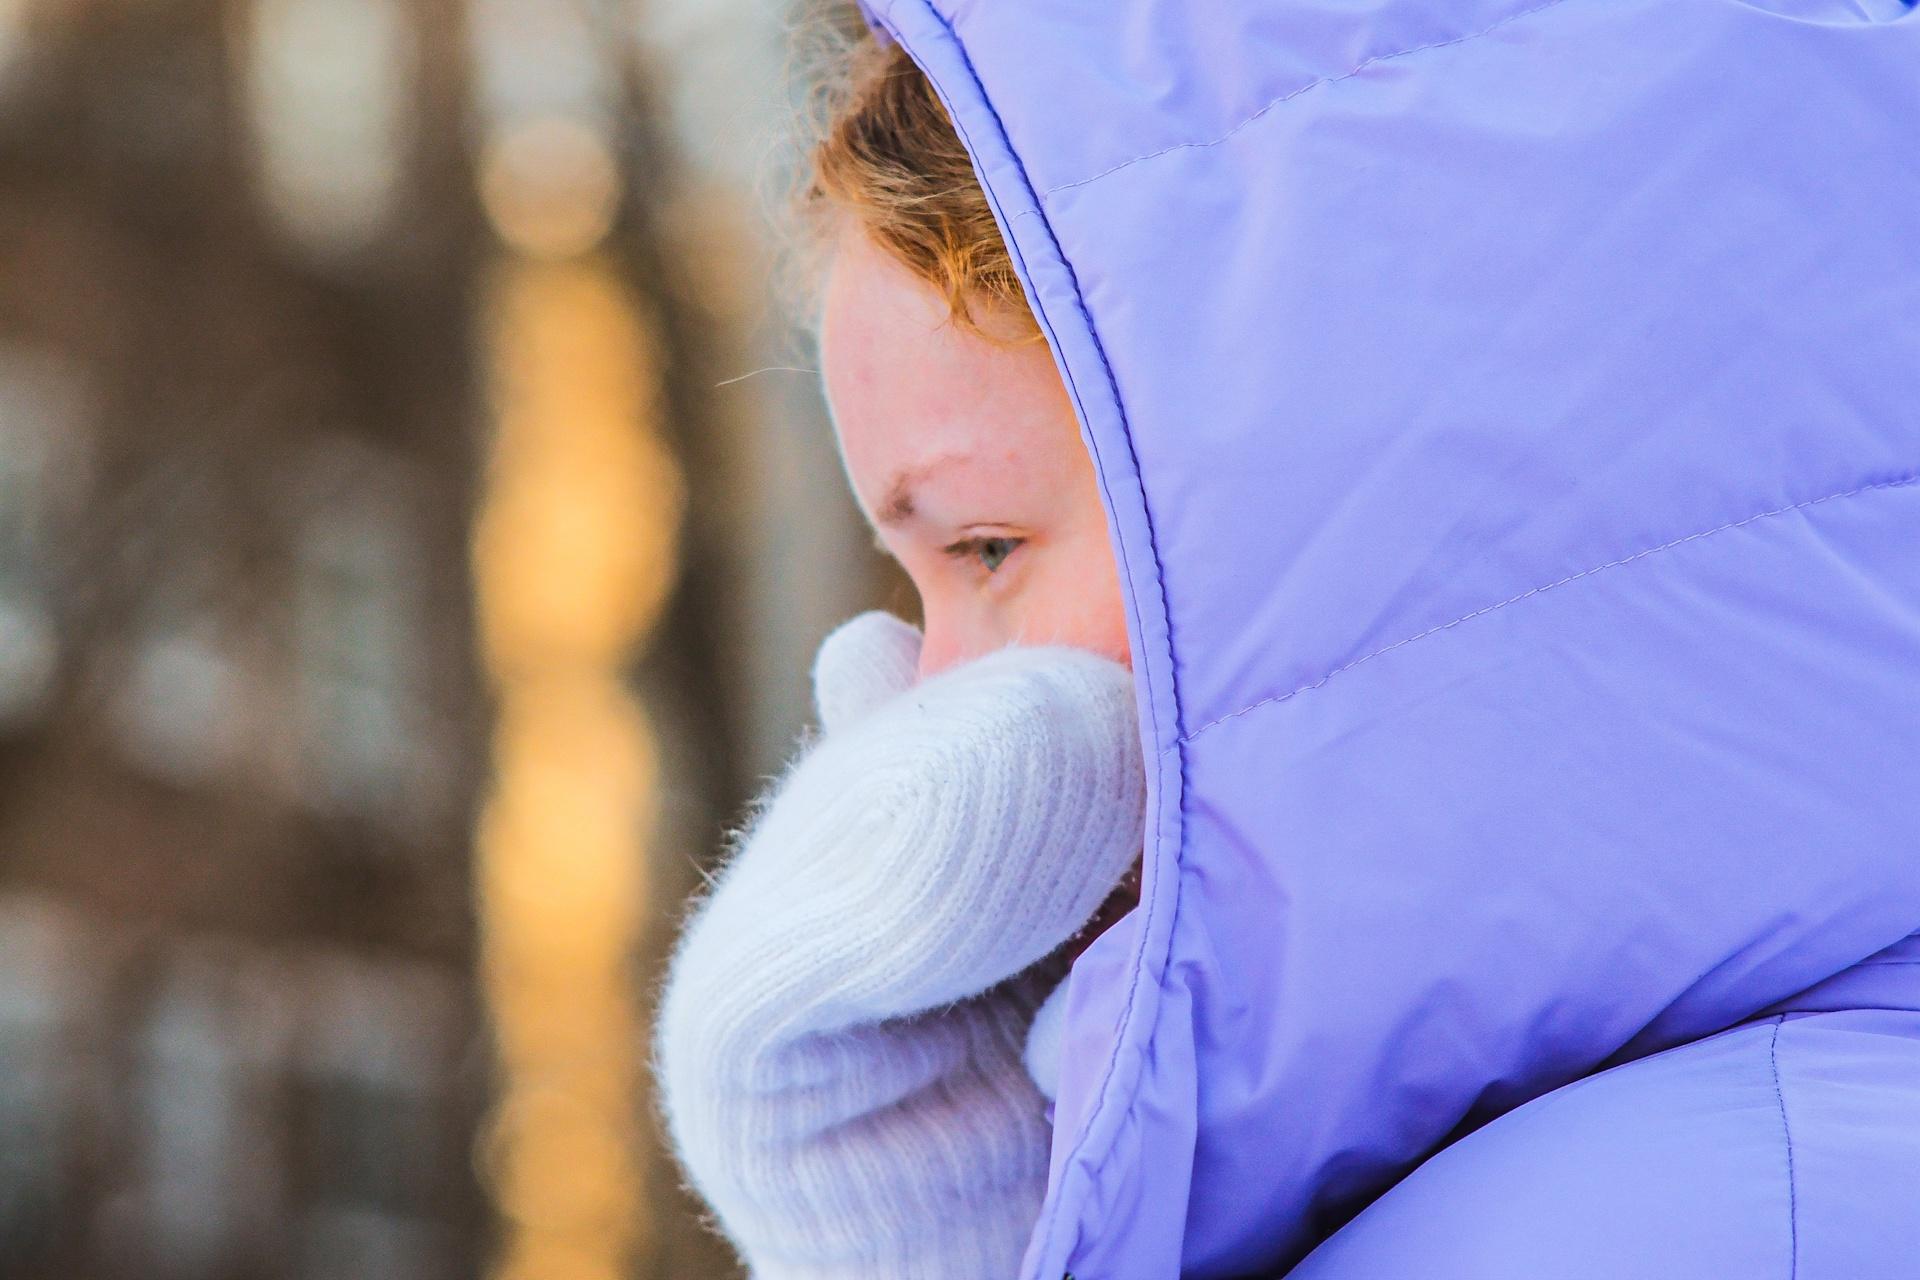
column 1506, row 417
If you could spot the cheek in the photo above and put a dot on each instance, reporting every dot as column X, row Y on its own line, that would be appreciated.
column 1082, row 601
column 1110, row 620
column 1114, row 633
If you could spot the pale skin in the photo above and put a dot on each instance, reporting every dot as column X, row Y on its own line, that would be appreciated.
column 966, row 458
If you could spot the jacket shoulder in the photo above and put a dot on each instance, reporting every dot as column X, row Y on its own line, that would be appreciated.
column 1775, row 1149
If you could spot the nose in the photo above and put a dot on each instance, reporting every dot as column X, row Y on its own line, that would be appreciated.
column 938, row 652
column 949, row 639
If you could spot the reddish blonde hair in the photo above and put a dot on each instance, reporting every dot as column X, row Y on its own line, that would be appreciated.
column 887, row 156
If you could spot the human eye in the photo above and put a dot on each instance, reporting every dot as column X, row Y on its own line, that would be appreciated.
column 988, row 553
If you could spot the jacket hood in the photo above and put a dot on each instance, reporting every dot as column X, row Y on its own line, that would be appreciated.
column 1507, row 417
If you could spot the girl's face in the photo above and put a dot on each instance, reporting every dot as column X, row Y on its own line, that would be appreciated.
column 966, row 458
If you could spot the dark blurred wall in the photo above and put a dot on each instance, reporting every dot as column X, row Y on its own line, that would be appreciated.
column 417, row 516
column 392, row 613
column 240, row 726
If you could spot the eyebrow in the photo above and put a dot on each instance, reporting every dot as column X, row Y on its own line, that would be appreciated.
column 898, row 506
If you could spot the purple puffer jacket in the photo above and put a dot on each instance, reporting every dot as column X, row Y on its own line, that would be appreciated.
column 1508, row 413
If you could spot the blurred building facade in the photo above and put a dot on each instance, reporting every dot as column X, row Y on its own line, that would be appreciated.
column 400, row 590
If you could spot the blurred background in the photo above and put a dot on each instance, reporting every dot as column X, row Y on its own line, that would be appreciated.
column 405, row 578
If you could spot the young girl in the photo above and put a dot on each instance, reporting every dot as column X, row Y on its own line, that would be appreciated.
column 848, row 1055
column 1503, row 416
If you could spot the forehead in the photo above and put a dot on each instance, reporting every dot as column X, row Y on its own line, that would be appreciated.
column 908, row 387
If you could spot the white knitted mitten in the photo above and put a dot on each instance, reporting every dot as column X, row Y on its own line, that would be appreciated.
column 1046, row 1038
column 840, row 1042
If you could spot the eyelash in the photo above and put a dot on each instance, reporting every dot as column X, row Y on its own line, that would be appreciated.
column 970, row 548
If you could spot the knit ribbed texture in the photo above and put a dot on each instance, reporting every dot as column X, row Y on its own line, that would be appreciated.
column 841, row 1039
